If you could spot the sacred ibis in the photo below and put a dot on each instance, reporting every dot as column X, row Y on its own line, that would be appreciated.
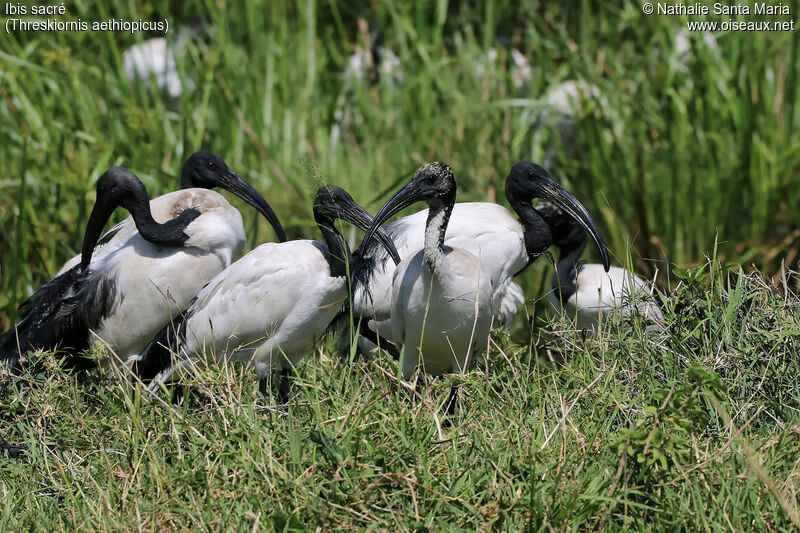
column 505, row 244
column 124, row 296
column 441, row 295
column 153, row 57
column 269, row 307
column 587, row 292
column 201, row 171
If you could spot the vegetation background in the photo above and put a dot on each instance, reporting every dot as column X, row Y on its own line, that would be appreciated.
column 686, row 152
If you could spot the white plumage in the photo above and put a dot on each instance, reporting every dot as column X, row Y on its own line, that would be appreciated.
column 519, row 68
column 141, row 278
column 379, row 59
column 441, row 296
column 441, row 315
column 153, row 57
column 227, row 231
column 505, row 244
column 488, row 229
column 270, row 307
column 589, row 292
column 156, row 282
column 603, row 294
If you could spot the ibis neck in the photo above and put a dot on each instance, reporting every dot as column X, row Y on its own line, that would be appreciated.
column 170, row 233
column 339, row 256
column 538, row 237
column 435, row 229
column 563, row 283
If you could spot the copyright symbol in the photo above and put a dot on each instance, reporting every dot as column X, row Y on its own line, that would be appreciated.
column 648, row 8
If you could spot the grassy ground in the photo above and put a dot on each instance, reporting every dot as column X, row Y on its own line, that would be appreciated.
column 678, row 154
column 694, row 427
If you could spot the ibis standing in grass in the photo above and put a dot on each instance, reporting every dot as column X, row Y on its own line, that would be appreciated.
column 588, row 292
column 125, row 295
column 139, row 279
column 271, row 306
column 201, row 171
column 505, row 244
column 441, row 295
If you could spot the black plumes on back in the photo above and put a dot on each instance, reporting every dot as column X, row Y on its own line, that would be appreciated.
column 60, row 315
column 365, row 261
column 360, row 274
column 157, row 356
column 362, row 269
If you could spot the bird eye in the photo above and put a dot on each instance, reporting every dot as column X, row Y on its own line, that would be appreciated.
column 211, row 164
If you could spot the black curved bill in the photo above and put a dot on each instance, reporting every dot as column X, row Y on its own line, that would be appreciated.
column 408, row 195
column 359, row 217
column 549, row 190
column 238, row 186
column 101, row 212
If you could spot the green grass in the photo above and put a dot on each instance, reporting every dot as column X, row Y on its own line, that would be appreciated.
column 678, row 159
column 622, row 430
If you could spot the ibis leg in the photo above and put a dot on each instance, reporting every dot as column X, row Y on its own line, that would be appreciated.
column 285, row 386
column 450, row 406
column 180, row 393
column 372, row 337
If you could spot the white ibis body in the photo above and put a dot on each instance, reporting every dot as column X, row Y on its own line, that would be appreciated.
column 201, row 171
column 125, row 295
column 271, row 306
column 505, row 244
column 483, row 228
column 589, row 292
column 599, row 293
column 64, row 310
column 156, row 57
column 441, row 295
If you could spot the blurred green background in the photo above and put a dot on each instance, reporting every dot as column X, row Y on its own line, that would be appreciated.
column 676, row 140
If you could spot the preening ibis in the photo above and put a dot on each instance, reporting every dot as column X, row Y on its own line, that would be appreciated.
column 587, row 292
column 271, row 306
column 505, row 244
column 125, row 295
column 441, row 295
column 201, row 171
